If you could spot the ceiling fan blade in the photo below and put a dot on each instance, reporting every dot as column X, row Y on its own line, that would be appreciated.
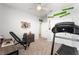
column 44, row 8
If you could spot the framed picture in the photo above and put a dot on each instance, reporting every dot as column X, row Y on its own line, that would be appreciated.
column 25, row 25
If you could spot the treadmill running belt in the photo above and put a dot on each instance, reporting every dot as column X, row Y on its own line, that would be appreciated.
column 67, row 50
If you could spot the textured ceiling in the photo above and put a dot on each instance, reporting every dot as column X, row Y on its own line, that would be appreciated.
column 31, row 7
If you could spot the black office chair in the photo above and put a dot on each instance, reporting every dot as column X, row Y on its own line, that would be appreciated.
column 22, row 42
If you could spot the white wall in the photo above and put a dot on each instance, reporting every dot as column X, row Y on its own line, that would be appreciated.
column 11, row 21
column 1, row 17
column 74, row 16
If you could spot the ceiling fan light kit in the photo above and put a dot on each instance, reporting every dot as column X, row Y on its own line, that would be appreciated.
column 39, row 7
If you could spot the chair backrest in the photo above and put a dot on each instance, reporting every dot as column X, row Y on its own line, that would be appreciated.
column 25, row 38
column 15, row 37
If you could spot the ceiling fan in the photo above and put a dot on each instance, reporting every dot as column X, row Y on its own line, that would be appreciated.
column 40, row 7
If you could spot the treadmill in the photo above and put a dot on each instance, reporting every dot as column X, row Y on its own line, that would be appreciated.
column 65, row 27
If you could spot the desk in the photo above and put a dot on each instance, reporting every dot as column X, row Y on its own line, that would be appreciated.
column 8, row 50
column 7, row 43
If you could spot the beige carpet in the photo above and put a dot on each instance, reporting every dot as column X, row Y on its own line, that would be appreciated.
column 39, row 47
